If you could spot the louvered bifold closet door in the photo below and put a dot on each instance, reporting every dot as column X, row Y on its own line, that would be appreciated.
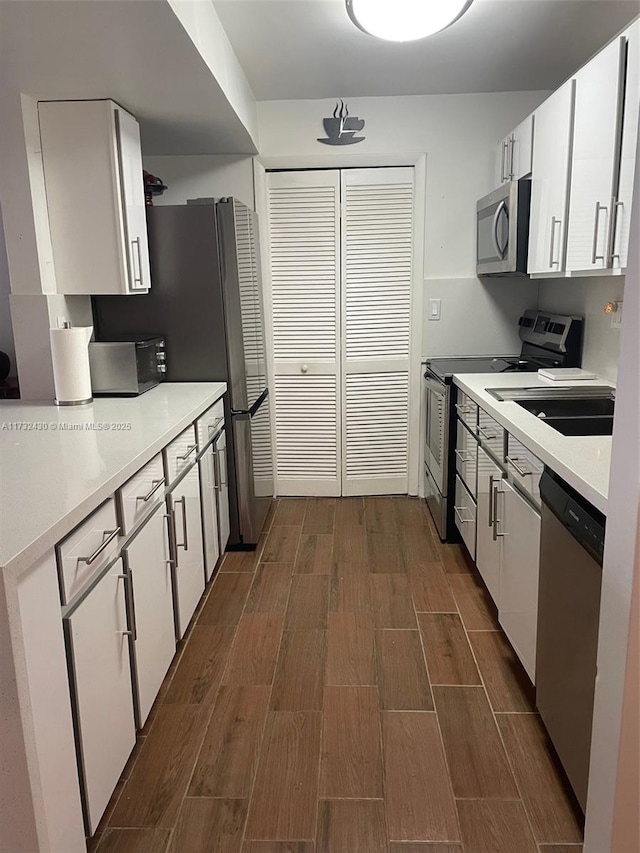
column 377, row 266
column 304, row 239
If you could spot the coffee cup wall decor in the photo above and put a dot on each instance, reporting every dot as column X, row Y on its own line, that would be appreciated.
column 341, row 129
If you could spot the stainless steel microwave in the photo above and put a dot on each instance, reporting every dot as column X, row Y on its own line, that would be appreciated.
column 502, row 230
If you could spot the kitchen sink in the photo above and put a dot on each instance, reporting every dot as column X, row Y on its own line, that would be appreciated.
column 570, row 411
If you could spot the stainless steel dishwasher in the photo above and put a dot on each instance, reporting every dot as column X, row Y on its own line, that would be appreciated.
column 571, row 547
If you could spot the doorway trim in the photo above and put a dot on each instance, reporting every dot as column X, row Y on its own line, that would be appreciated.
column 342, row 160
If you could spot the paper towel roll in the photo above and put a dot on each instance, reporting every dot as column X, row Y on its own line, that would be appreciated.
column 70, row 358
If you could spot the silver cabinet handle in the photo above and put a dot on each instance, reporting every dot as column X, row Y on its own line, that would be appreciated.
column 615, row 205
column 155, row 485
column 137, row 279
column 463, row 410
column 482, row 433
column 111, row 535
column 594, row 249
column 130, row 602
column 512, row 148
column 222, row 459
column 217, row 480
column 214, row 426
column 519, row 470
column 460, row 455
column 490, row 500
column 503, row 176
column 457, row 509
column 554, row 222
column 185, row 543
column 188, row 452
column 496, row 520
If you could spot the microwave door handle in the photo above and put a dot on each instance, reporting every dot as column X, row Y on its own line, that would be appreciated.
column 494, row 228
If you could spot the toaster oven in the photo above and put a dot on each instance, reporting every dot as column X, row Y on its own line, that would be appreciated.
column 126, row 368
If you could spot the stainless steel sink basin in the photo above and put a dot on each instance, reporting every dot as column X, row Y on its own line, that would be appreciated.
column 570, row 411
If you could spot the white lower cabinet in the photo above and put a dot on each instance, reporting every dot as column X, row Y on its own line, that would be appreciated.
column 222, row 489
column 519, row 531
column 465, row 516
column 488, row 543
column 185, row 509
column 98, row 644
column 151, row 611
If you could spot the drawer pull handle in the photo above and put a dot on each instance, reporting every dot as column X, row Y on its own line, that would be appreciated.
column 461, row 455
column 214, row 426
column 496, row 520
column 185, row 543
column 155, row 485
column 457, row 509
column 488, row 436
column 188, row 452
column 111, row 535
column 514, row 463
column 463, row 410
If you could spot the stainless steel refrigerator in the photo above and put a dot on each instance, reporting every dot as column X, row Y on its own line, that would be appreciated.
column 206, row 300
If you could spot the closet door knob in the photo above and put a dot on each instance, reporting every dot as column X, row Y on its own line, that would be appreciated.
column 304, row 368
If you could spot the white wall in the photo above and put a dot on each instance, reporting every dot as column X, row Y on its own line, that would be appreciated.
column 6, row 332
column 203, row 176
column 587, row 297
column 479, row 316
column 459, row 134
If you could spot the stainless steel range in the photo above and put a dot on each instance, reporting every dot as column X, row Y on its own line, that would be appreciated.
column 548, row 340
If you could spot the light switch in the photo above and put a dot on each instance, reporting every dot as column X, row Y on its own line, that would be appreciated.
column 434, row 309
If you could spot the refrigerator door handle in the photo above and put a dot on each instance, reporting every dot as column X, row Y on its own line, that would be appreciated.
column 249, row 413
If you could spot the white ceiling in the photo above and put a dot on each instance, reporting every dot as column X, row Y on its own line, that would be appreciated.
column 133, row 51
column 310, row 49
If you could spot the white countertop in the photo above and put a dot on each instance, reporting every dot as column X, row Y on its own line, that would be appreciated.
column 53, row 476
column 583, row 461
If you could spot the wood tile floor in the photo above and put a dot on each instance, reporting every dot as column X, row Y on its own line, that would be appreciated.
column 345, row 689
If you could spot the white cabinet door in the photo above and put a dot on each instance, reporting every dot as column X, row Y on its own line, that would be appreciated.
column 222, row 489
column 209, row 512
column 596, row 136
column 95, row 197
column 622, row 221
column 514, row 153
column 518, row 604
column 98, row 642
column 488, row 544
column 186, row 511
column 550, row 180
column 133, row 203
column 148, row 565
column 521, row 149
column 465, row 516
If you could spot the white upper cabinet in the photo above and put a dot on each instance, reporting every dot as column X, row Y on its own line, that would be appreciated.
column 514, row 154
column 596, row 139
column 95, row 197
column 550, row 182
column 622, row 211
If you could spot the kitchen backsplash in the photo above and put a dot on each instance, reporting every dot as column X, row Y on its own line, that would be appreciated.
column 587, row 297
column 478, row 317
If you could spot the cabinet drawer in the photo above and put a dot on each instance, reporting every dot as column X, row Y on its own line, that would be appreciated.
column 467, row 410
column 180, row 454
column 491, row 434
column 524, row 467
column 142, row 492
column 465, row 515
column 209, row 422
column 467, row 457
column 85, row 551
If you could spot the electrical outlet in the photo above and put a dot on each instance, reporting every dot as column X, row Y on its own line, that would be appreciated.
column 616, row 316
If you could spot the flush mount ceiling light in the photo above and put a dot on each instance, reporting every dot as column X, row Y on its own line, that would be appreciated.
column 405, row 20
